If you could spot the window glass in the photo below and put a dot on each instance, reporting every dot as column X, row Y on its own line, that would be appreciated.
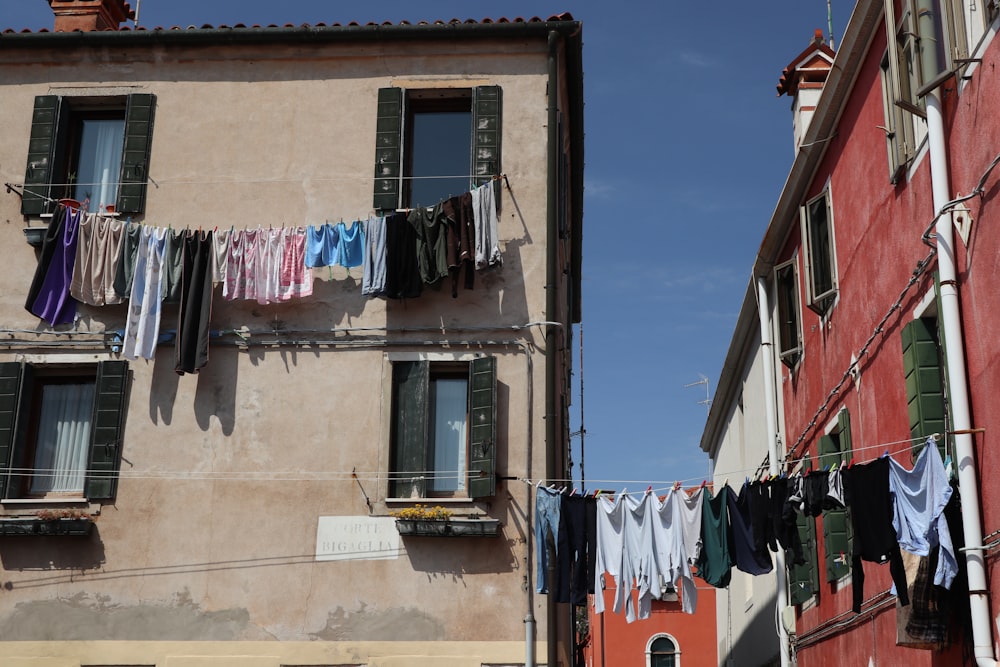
column 449, row 426
column 788, row 312
column 99, row 162
column 60, row 458
column 819, row 239
column 440, row 152
column 662, row 653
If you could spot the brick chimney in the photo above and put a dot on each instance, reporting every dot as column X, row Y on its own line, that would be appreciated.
column 803, row 81
column 87, row 15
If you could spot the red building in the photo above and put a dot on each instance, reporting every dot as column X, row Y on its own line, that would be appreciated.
column 879, row 274
column 668, row 638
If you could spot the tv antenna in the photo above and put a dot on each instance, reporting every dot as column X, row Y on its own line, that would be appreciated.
column 708, row 398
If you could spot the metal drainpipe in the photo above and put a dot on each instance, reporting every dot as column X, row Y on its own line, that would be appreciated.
column 767, row 357
column 958, row 389
column 551, row 308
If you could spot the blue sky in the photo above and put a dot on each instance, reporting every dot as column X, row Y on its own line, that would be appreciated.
column 687, row 149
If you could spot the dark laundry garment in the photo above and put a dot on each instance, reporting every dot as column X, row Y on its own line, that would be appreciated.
column 53, row 302
column 715, row 563
column 783, row 518
column 928, row 606
column 747, row 557
column 816, row 486
column 431, row 227
column 576, row 552
column 195, row 312
column 866, row 492
column 764, row 536
column 125, row 270
column 173, row 262
column 461, row 240
column 402, row 276
column 51, row 240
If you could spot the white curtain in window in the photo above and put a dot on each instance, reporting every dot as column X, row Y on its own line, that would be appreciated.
column 100, row 162
column 63, row 438
column 451, row 399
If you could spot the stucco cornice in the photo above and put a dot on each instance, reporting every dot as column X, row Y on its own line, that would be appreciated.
column 289, row 34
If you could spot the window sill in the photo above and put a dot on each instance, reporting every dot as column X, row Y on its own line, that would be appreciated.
column 44, row 501
column 448, row 527
column 430, row 500
column 35, row 527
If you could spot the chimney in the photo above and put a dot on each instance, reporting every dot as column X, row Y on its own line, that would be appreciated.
column 803, row 81
column 87, row 15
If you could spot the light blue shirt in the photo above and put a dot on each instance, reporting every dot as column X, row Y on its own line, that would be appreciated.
column 919, row 497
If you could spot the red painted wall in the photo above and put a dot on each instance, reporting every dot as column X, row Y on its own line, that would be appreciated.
column 613, row 642
column 877, row 228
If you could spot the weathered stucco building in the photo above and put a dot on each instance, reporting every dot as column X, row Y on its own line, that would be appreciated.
column 241, row 515
column 876, row 286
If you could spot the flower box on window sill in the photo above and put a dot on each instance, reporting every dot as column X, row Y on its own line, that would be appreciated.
column 448, row 527
column 36, row 527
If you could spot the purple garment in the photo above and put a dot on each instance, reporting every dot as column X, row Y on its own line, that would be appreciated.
column 54, row 303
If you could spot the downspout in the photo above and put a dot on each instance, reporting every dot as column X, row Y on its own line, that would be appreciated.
column 767, row 358
column 958, row 390
column 552, row 311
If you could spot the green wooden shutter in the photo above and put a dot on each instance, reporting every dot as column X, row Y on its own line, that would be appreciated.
column 836, row 544
column 411, row 384
column 388, row 149
column 11, row 378
column 139, row 114
column 42, row 145
column 844, row 428
column 803, row 581
column 107, row 428
column 486, row 118
column 483, row 430
column 924, row 381
column 18, row 389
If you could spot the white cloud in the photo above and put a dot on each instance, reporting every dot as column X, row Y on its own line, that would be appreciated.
column 696, row 59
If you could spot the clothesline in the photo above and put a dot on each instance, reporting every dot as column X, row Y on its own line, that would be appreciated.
column 567, row 483
column 251, row 181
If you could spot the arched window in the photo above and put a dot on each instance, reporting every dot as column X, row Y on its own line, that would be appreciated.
column 663, row 651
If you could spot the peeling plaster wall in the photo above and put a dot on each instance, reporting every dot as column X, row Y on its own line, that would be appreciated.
column 212, row 535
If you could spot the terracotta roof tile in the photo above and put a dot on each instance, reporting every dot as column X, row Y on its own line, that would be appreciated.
column 565, row 16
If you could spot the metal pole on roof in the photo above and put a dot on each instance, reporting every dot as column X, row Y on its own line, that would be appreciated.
column 829, row 23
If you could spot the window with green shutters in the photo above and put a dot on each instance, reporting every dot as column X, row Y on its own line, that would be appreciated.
column 39, row 457
column 924, row 377
column 431, row 144
column 835, row 450
column 444, row 429
column 89, row 148
column 803, row 580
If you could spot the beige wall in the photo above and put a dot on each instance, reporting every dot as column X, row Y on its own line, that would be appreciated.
column 209, row 539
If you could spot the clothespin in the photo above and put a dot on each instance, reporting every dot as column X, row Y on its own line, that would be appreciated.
column 703, row 483
column 851, row 464
column 885, row 453
column 573, row 492
column 677, row 485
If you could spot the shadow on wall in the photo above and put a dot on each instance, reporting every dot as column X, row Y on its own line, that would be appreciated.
column 758, row 645
column 215, row 394
column 52, row 553
column 438, row 557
